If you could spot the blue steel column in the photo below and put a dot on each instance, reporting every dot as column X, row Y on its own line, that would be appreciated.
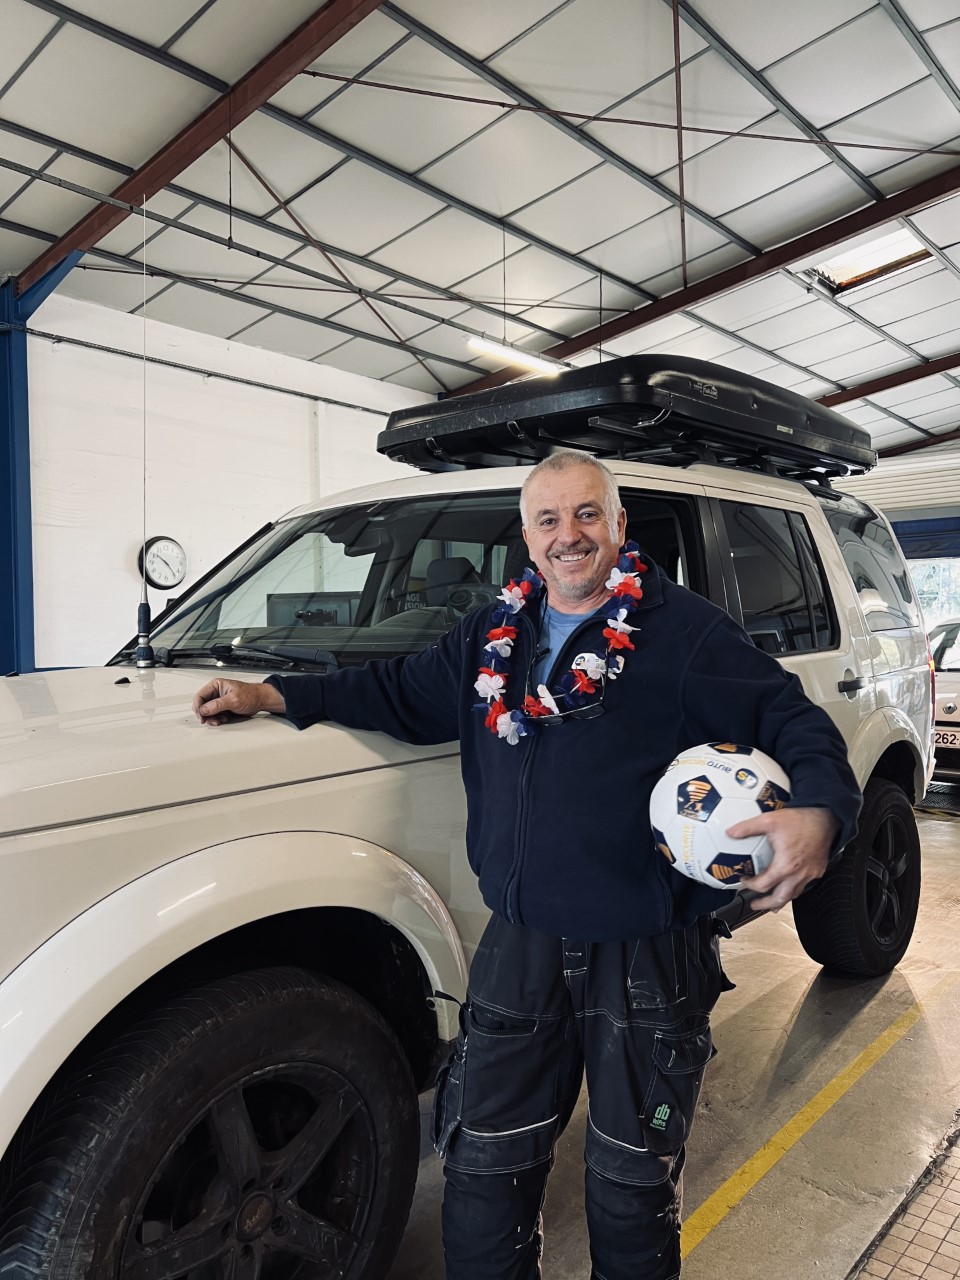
column 16, row 528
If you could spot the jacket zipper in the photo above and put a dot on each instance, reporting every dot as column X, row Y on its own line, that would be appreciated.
column 511, row 894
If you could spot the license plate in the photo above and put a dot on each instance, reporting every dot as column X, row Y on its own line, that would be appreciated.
column 946, row 737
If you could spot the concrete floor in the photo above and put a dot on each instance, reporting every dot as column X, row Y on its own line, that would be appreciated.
column 783, row 1035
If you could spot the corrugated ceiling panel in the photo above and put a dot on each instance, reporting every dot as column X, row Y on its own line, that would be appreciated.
column 409, row 130
column 652, row 247
column 743, row 168
column 801, row 206
column 945, row 44
column 368, row 41
column 754, row 302
column 908, row 173
column 714, row 96
column 531, row 274
column 909, row 299
column 702, row 344
column 56, row 209
column 902, row 398
column 128, row 236
column 282, row 288
column 153, row 23
column 381, row 319
column 941, row 222
column 480, row 30
column 205, row 312
column 188, row 255
column 255, row 30
column 96, row 281
column 71, row 91
column 573, row 61
column 23, row 29
column 943, row 344
column 17, row 252
column 510, row 165
column 835, row 342
column 358, row 209
column 878, row 358
column 707, row 264
column 21, row 152
column 919, row 116
column 592, row 208
column 803, row 321
column 658, row 333
column 285, row 157
column 748, row 27
column 245, row 235
column 368, row 358
column 293, row 337
column 448, row 247
column 418, row 379
column 929, row 13
column 928, row 324
column 832, row 79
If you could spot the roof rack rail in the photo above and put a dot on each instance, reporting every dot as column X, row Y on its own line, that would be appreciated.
column 666, row 409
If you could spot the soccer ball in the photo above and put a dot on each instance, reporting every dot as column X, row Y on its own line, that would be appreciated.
column 704, row 791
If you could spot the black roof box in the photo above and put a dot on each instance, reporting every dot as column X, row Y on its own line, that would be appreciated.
column 655, row 408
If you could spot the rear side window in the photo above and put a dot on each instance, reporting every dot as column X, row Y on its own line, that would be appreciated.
column 783, row 596
column 876, row 566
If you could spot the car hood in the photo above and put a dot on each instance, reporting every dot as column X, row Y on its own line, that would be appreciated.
column 81, row 745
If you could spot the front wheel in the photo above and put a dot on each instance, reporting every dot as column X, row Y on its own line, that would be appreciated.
column 859, row 918
column 262, row 1127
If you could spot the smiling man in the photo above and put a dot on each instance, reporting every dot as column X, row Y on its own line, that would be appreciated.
column 599, row 959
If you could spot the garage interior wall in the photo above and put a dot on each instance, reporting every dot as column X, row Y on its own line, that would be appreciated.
column 223, row 458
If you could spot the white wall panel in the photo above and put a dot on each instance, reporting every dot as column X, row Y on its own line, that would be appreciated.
column 222, row 459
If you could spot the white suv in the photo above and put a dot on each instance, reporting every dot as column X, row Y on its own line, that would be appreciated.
column 229, row 960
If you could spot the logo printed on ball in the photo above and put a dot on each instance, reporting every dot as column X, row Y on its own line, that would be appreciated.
column 697, row 799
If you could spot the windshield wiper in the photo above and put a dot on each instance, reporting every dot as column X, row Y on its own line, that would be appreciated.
column 293, row 655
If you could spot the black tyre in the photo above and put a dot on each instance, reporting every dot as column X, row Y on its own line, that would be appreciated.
column 859, row 918
column 262, row 1127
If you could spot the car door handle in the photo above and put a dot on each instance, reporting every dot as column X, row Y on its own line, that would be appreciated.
column 851, row 686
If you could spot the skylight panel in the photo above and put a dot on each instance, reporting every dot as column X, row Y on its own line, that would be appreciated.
column 886, row 256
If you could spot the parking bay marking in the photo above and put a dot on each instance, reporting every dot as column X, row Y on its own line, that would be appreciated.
column 729, row 1194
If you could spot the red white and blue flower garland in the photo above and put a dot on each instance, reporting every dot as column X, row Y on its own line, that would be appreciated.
column 583, row 678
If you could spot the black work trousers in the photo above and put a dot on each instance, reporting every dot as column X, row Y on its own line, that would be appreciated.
column 540, row 1011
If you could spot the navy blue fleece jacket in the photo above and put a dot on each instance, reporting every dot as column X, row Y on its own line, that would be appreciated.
column 557, row 828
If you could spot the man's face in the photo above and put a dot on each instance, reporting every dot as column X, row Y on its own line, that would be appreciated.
column 572, row 538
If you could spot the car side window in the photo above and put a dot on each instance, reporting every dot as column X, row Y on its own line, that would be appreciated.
column 877, row 568
column 783, row 595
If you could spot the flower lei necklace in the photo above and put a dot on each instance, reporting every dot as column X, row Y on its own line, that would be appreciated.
column 582, row 679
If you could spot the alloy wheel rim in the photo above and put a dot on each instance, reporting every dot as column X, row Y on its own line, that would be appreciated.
column 272, row 1179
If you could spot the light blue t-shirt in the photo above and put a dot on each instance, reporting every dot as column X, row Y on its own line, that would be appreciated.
column 555, row 630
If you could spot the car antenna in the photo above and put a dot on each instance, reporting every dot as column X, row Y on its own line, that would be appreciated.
column 144, row 653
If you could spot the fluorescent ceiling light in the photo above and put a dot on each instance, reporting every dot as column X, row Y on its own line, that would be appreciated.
column 864, row 265
column 515, row 355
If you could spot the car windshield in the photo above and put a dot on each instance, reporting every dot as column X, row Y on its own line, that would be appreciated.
column 945, row 645
column 341, row 586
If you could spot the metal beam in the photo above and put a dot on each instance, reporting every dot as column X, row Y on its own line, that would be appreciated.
column 890, row 380
column 776, row 100
column 289, row 233
column 579, row 136
column 813, row 242
column 945, row 438
column 278, row 68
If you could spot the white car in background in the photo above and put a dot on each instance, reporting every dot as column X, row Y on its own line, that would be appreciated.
column 945, row 648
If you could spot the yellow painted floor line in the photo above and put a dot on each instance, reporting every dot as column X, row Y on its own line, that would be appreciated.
column 729, row 1194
